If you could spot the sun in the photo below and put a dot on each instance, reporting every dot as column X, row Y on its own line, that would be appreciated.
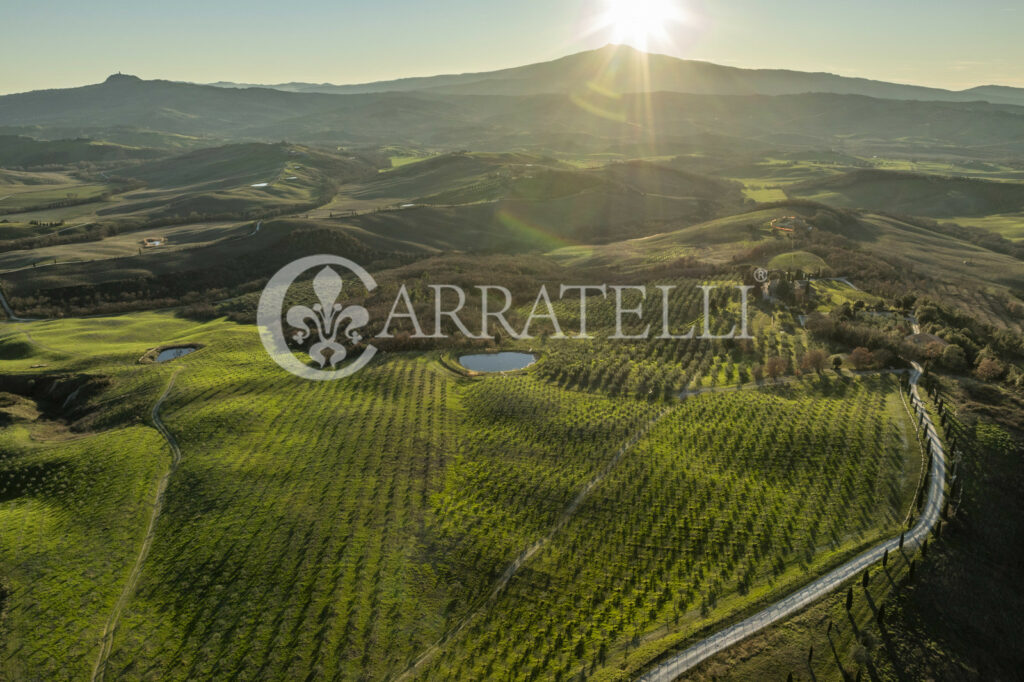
column 639, row 22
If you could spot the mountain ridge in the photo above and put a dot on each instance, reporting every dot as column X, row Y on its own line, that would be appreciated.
column 671, row 74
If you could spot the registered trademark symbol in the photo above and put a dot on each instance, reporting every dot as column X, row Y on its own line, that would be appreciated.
column 760, row 275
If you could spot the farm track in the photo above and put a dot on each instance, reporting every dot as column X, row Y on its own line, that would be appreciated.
column 109, row 630
column 679, row 664
column 9, row 311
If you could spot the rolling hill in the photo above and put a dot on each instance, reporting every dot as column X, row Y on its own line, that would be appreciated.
column 914, row 193
column 24, row 152
column 229, row 165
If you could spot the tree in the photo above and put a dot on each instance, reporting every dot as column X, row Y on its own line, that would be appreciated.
column 861, row 358
column 814, row 361
column 837, row 362
column 885, row 557
column 784, row 291
column 933, row 351
column 776, row 366
column 849, row 599
column 953, row 357
column 820, row 326
column 990, row 370
column 866, row 579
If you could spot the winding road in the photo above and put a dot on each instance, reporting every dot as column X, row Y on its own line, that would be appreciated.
column 680, row 663
column 133, row 577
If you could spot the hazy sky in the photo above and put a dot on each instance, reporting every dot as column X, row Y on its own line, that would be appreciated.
column 61, row 43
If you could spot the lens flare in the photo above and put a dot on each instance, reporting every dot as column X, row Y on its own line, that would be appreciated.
column 639, row 22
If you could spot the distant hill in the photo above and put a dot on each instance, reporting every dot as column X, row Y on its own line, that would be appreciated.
column 623, row 69
column 939, row 254
column 518, row 202
column 154, row 105
column 914, row 193
column 231, row 165
column 24, row 152
column 588, row 121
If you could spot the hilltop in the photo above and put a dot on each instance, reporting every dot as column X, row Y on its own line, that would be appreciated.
column 623, row 68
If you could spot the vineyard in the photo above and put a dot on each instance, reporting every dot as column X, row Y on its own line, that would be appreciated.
column 342, row 529
column 728, row 499
column 70, row 517
column 661, row 368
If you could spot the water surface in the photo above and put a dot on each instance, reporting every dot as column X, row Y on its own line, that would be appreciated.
column 168, row 354
column 497, row 362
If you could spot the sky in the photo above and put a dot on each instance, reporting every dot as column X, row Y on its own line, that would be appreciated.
column 64, row 43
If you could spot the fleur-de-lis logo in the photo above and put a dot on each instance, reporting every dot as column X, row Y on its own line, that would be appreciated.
column 327, row 317
column 328, row 325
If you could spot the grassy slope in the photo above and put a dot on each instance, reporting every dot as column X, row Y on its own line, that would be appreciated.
column 715, row 240
column 27, row 153
column 33, row 197
column 72, row 515
column 294, row 549
column 126, row 244
column 915, row 194
column 941, row 258
column 1009, row 225
column 151, row 262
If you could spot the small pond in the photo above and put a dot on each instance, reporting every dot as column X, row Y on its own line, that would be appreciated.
column 168, row 354
column 497, row 362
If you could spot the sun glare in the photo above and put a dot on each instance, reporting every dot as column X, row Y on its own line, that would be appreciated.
column 639, row 22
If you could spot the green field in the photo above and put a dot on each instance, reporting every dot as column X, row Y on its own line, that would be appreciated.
column 915, row 194
column 32, row 197
column 333, row 555
column 1009, row 225
column 127, row 244
column 798, row 260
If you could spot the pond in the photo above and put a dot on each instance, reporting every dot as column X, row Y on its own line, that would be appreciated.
column 497, row 362
column 168, row 354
